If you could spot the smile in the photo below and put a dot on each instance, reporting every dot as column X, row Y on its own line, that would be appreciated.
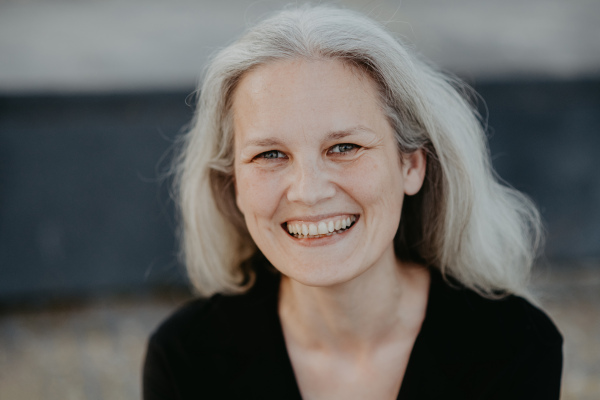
column 315, row 230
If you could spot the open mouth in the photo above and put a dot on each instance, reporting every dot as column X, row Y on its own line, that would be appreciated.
column 315, row 230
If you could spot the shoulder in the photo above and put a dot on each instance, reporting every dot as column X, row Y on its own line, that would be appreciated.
column 504, row 346
column 187, row 322
column 500, row 324
column 218, row 317
column 206, row 324
column 210, row 341
column 511, row 318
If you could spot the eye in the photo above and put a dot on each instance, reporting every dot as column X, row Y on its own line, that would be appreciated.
column 271, row 155
column 343, row 148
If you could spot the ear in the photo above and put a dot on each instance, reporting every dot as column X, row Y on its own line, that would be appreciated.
column 414, row 166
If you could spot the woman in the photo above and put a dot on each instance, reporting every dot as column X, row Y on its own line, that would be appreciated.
column 337, row 202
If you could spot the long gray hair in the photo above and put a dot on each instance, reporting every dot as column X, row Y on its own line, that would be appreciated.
column 463, row 221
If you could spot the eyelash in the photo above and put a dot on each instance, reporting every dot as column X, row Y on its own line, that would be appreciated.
column 267, row 154
column 351, row 145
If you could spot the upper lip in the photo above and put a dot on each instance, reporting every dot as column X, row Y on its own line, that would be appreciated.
column 317, row 218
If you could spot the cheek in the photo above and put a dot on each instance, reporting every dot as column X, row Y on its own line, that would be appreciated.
column 373, row 183
column 257, row 193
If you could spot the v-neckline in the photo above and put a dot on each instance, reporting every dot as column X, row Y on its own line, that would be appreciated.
column 419, row 354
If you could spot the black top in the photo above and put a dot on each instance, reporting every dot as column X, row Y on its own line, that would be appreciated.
column 469, row 347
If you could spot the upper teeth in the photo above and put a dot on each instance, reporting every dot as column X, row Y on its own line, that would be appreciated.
column 328, row 227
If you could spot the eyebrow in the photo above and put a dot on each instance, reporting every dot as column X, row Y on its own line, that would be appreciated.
column 267, row 142
column 336, row 135
column 333, row 135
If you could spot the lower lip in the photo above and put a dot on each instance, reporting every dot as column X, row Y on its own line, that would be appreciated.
column 322, row 241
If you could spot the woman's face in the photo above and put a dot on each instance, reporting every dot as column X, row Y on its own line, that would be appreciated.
column 318, row 174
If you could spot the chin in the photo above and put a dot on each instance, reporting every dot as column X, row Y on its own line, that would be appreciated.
column 321, row 275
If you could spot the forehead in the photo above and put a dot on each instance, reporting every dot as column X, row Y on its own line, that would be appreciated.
column 302, row 71
column 295, row 96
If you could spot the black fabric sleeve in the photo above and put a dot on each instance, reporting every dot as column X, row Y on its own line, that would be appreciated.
column 543, row 379
column 157, row 376
column 537, row 370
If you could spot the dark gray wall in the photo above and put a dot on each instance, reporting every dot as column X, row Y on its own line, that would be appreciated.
column 82, row 210
column 81, row 205
column 545, row 141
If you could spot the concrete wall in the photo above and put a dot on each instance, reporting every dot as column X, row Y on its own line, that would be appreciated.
column 128, row 45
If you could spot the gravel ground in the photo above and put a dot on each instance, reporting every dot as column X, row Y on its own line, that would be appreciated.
column 94, row 350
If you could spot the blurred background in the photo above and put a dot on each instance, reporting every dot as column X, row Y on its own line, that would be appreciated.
column 93, row 93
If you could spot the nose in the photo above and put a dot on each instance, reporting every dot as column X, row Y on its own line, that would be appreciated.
column 310, row 183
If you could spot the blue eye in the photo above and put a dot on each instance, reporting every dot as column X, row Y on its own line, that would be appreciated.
column 343, row 148
column 271, row 154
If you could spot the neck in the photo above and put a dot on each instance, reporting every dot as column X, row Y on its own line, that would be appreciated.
column 387, row 300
